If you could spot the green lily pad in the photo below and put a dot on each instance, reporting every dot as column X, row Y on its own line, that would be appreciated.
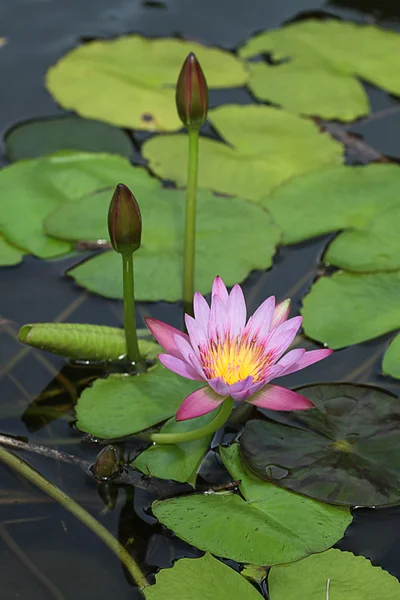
column 349, row 308
column 265, row 146
column 32, row 189
column 363, row 201
column 130, row 81
column 345, row 451
column 33, row 139
column 318, row 76
column 391, row 360
column 202, row 578
column 225, row 227
column 122, row 404
column 80, row 341
column 9, row 254
column 178, row 462
column 334, row 575
column 263, row 529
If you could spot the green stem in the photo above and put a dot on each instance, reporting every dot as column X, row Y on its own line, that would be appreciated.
column 190, row 222
column 196, row 434
column 80, row 513
column 132, row 346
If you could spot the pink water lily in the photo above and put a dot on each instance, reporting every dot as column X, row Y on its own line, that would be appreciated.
column 235, row 358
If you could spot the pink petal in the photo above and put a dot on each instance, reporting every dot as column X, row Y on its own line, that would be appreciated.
column 275, row 397
column 219, row 386
column 280, row 338
column 197, row 336
column 201, row 310
column 219, row 289
column 309, row 358
column 198, row 403
column 164, row 335
column 289, row 360
column 218, row 325
column 176, row 365
column 262, row 318
column 246, row 393
column 281, row 313
column 239, row 390
column 187, row 353
column 236, row 310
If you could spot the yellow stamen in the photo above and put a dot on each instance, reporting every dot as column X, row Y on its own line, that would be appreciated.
column 234, row 360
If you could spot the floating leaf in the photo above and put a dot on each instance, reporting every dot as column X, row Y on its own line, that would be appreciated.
column 391, row 361
column 224, row 228
column 33, row 139
column 264, row 530
column 349, row 454
column 79, row 341
column 31, row 189
column 9, row 254
column 317, row 76
column 334, row 575
column 265, row 147
column 361, row 200
column 349, row 308
column 130, row 81
column 179, row 462
column 122, row 404
column 200, row 579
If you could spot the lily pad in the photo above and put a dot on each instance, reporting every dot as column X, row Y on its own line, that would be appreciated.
column 315, row 75
column 264, row 147
column 345, row 451
column 80, row 341
column 9, row 254
column 224, row 227
column 363, row 201
column 122, row 404
column 32, row 189
column 200, row 579
column 178, row 462
column 33, row 139
column 334, row 575
column 391, row 361
column 349, row 308
column 263, row 529
column 130, row 81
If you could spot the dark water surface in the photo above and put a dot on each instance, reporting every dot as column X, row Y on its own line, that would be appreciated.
column 44, row 551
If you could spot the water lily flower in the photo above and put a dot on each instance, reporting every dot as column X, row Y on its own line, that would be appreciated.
column 192, row 94
column 236, row 359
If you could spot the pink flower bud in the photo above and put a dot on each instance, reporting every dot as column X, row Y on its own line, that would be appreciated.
column 124, row 221
column 192, row 94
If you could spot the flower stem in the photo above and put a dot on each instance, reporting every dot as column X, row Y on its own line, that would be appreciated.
column 132, row 346
column 196, row 434
column 190, row 223
column 78, row 511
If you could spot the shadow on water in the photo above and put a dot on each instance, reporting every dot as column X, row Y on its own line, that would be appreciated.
column 45, row 552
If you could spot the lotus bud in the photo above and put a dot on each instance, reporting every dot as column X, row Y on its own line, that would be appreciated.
column 124, row 221
column 192, row 94
column 107, row 464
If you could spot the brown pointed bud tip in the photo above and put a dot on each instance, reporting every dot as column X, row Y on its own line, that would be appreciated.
column 124, row 221
column 192, row 94
column 107, row 463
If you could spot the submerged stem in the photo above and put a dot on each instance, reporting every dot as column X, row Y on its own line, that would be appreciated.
column 132, row 346
column 196, row 434
column 78, row 511
column 190, row 222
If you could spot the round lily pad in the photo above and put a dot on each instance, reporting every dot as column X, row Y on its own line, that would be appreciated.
column 345, row 451
column 362, row 201
column 130, row 81
column 233, row 238
column 332, row 575
column 9, row 254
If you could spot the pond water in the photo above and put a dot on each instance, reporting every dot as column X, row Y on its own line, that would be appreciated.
column 45, row 552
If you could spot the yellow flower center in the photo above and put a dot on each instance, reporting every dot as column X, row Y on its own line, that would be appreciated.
column 234, row 360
